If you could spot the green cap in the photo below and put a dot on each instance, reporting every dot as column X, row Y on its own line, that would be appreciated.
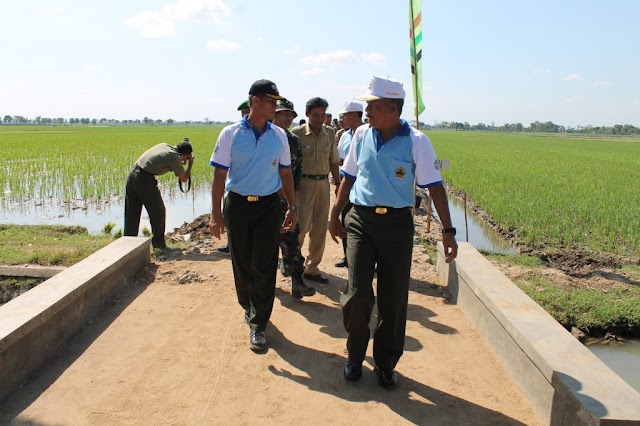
column 244, row 105
column 285, row 105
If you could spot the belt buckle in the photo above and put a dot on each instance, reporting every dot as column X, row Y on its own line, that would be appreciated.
column 381, row 210
column 252, row 198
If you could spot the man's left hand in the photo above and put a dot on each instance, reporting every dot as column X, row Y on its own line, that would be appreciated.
column 290, row 220
column 450, row 247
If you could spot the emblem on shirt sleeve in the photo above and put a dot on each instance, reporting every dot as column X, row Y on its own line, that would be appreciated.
column 215, row 150
column 274, row 162
column 400, row 172
column 436, row 164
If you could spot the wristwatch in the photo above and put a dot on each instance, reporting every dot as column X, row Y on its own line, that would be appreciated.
column 449, row 231
column 293, row 207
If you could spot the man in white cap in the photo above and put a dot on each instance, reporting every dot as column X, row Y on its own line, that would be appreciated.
column 385, row 158
column 351, row 116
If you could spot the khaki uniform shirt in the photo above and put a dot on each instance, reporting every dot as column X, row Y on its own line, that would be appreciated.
column 339, row 135
column 161, row 159
column 317, row 151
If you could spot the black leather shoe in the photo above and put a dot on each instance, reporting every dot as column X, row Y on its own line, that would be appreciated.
column 224, row 248
column 257, row 341
column 352, row 371
column 299, row 289
column 342, row 264
column 319, row 278
column 386, row 377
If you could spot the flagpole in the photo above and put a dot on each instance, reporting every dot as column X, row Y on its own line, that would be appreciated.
column 414, row 77
column 414, row 65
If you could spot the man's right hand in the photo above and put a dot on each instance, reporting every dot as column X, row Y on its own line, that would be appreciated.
column 216, row 224
column 335, row 227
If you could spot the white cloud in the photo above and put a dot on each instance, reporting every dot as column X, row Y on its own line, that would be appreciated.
column 574, row 77
column 335, row 57
column 222, row 46
column 374, row 58
column 601, row 83
column 197, row 11
column 90, row 68
column 156, row 24
column 151, row 24
column 295, row 49
column 313, row 72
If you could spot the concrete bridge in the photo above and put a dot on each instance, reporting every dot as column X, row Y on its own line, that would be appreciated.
column 117, row 340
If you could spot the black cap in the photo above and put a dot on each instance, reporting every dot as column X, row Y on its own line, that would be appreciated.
column 265, row 87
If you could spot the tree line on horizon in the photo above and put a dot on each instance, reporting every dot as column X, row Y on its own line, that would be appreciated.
column 535, row 127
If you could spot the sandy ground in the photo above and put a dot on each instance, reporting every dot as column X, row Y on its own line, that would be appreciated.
column 173, row 349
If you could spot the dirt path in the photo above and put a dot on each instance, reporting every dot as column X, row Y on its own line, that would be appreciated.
column 170, row 353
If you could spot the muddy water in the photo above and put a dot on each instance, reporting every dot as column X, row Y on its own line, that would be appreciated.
column 623, row 359
column 180, row 208
column 476, row 232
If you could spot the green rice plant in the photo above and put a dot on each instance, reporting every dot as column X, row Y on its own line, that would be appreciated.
column 146, row 231
column 551, row 190
column 108, row 227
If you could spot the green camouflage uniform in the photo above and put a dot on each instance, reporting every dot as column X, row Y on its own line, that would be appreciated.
column 292, row 260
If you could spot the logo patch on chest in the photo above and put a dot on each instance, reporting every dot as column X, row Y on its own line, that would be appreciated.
column 400, row 172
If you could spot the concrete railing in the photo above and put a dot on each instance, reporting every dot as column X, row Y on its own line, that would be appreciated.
column 565, row 382
column 36, row 323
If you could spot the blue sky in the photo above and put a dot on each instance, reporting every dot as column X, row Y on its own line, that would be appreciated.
column 569, row 61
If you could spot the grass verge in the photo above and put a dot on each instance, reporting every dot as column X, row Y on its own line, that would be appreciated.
column 601, row 302
column 47, row 245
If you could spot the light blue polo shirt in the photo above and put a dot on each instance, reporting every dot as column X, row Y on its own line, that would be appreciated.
column 384, row 173
column 344, row 144
column 252, row 158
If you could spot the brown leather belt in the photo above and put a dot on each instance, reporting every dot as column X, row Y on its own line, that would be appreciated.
column 315, row 177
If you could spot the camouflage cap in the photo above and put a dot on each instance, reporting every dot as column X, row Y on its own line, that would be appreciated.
column 285, row 105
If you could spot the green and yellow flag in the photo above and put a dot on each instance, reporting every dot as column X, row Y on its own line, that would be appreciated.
column 415, row 34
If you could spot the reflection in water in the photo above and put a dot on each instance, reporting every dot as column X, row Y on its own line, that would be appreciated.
column 186, row 207
column 481, row 235
column 180, row 208
column 623, row 359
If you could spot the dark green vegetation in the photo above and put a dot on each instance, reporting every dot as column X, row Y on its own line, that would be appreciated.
column 11, row 287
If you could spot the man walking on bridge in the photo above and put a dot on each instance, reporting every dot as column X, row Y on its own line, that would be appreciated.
column 384, row 160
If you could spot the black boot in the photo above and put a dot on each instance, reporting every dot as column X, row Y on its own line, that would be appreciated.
column 299, row 289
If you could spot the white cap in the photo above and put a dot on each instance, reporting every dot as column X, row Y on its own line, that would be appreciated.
column 380, row 88
column 352, row 107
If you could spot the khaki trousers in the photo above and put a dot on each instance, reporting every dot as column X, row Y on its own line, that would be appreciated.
column 313, row 215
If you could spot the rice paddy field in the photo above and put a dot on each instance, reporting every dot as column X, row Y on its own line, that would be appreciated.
column 555, row 191
column 550, row 190
column 91, row 164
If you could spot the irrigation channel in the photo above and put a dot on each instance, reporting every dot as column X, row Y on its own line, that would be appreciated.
column 181, row 208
